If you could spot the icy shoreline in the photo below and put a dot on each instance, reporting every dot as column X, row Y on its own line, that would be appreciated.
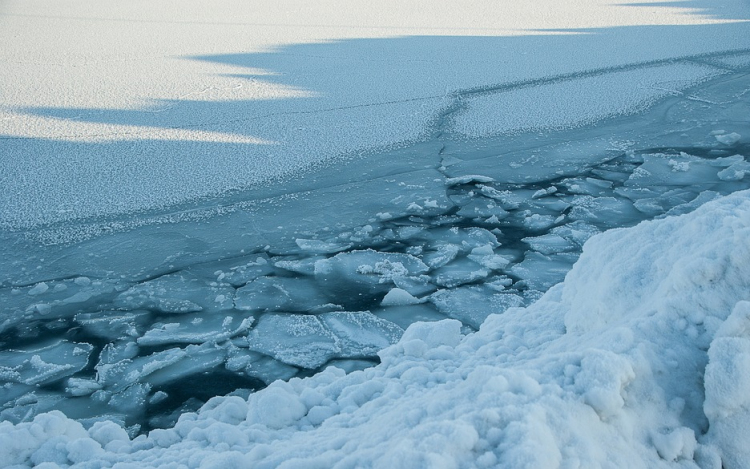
column 608, row 367
column 282, row 287
column 132, row 351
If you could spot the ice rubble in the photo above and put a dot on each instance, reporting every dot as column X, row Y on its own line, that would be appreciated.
column 638, row 359
column 332, row 298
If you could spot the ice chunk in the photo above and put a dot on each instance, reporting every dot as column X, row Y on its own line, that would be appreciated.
column 510, row 200
column 670, row 170
column 360, row 334
column 81, row 386
column 459, row 272
column 482, row 208
column 399, row 297
column 549, row 244
column 160, row 368
column 465, row 238
column 472, row 304
column 177, row 293
column 736, row 171
column 728, row 138
column 113, row 325
column 259, row 366
column 417, row 286
column 281, row 294
column 486, row 257
column 38, row 289
column 588, row 186
column 304, row 266
column 436, row 334
column 235, row 272
column 60, row 299
column 316, row 246
column 357, row 276
column 441, row 255
column 349, row 365
column 540, row 272
column 537, row 222
column 404, row 316
column 197, row 329
column 310, row 341
column 606, row 211
column 577, row 232
column 544, row 192
column 295, row 339
column 44, row 364
column 458, row 180
column 664, row 202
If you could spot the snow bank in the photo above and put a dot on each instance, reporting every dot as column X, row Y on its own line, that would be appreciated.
column 639, row 359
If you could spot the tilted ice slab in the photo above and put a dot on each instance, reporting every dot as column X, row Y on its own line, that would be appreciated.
column 634, row 360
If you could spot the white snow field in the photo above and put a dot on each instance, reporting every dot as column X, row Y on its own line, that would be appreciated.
column 383, row 234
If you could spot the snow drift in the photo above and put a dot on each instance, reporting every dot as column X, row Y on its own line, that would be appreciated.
column 639, row 359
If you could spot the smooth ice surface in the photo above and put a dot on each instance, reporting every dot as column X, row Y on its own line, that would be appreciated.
column 607, row 368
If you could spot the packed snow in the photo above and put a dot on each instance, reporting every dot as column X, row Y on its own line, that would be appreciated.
column 408, row 235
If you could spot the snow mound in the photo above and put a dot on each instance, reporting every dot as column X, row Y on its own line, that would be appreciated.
column 607, row 369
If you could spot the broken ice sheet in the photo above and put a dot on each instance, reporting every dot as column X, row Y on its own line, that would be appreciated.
column 113, row 325
column 309, row 341
column 465, row 239
column 55, row 299
column 177, row 293
column 235, row 272
column 659, row 169
column 282, row 294
column 604, row 211
column 549, row 243
column 360, row 276
column 197, row 329
column 159, row 368
column 540, row 272
column 295, row 339
column 315, row 246
column 472, row 304
column 441, row 254
column 588, row 186
column 361, row 334
column 406, row 315
column 482, row 208
column 459, row 272
column 43, row 364
column 257, row 365
column 486, row 257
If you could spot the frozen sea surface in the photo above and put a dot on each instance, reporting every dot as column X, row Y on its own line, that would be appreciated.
column 279, row 225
